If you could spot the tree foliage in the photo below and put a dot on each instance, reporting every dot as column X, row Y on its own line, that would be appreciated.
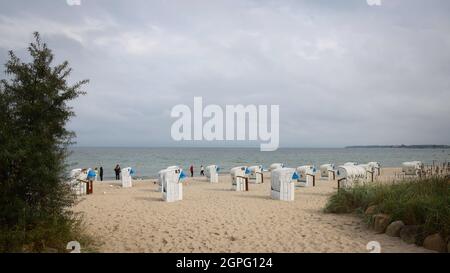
column 34, row 110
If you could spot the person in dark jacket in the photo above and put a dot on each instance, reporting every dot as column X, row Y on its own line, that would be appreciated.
column 101, row 173
column 117, row 171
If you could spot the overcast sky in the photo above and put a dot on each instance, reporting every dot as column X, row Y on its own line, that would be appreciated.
column 343, row 72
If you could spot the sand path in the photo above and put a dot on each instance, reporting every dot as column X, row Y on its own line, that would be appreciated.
column 212, row 218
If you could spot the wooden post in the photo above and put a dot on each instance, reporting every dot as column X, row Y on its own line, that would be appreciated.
column 246, row 181
column 339, row 182
column 314, row 179
column 371, row 174
column 333, row 173
column 91, row 187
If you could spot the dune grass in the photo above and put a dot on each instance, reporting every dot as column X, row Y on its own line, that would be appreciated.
column 424, row 202
column 52, row 232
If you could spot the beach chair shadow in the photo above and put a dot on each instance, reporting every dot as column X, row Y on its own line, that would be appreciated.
column 150, row 198
column 252, row 196
column 227, row 190
column 147, row 190
column 316, row 194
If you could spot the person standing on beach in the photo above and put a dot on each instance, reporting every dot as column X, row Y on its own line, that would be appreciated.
column 202, row 170
column 117, row 171
column 91, row 176
column 101, row 173
column 191, row 169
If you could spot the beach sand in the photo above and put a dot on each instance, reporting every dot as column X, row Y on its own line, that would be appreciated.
column 213, row 218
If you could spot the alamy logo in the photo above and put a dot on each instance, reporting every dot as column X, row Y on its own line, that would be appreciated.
column 73, row 2
column 189, row 124
column 374, row 2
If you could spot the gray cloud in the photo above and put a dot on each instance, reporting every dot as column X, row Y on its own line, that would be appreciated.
column 343, row 72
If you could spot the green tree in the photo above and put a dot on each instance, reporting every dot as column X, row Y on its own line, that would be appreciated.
column 34, row 197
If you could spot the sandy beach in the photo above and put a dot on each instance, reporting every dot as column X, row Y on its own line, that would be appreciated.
column 213, row 218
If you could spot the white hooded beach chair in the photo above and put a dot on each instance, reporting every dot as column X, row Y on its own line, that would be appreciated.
column 212, row 172
column 256, row 174
column 127, row 179
column 239, row 178
column 328, row 171
column 349, row 174
column 172, row 187
column 307, row 175
column 78, row 181
column 412, row 168
column 282, row 184
column 275, row 166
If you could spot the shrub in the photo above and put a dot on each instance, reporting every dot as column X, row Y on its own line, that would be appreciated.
column 34, row 199
column 424, row 202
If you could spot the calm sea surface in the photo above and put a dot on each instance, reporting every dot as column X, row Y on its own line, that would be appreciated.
column 148, row 161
